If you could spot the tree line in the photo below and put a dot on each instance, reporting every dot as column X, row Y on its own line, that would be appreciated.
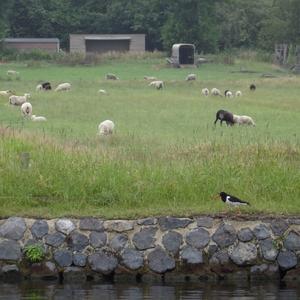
column 212, row 25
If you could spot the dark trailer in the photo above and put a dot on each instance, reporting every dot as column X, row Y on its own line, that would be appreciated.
column 183, row 54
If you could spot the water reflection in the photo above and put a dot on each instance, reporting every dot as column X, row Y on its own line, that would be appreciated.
column 89, row 291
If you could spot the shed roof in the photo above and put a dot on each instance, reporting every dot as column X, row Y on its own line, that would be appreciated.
column 107, row 38
column 175, row 46
column 31, row 40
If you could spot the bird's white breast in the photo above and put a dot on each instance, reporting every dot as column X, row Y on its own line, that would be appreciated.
column 233, row 203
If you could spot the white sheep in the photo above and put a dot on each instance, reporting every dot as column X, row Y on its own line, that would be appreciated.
column 215, row 92
column 111, row 76
column 191, row 77
column 26, row 109
column 34, row 118
column 238, row 93
column 12, row 72
column 150, row 78
column 63, row 87
column 102, row 92
column 228, row 94
column 205, row 91
column 243, row 120
column 39, row 87
column 6, row 93
column 106, row 127
column 158, row 84
column 18, row 100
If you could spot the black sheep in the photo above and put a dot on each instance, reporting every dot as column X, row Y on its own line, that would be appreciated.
column 252, row 87
column 46, row 86
column 224, row 115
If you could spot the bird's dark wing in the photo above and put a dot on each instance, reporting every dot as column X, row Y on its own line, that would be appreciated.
column 237, row 200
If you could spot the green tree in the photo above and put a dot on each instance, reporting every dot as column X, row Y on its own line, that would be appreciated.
column 190, row 21
column 148, row 18
column 240, row 21
column 5, row 8
column 209, row 24
column 294, row 17
column 28, row 18
column 281, row 25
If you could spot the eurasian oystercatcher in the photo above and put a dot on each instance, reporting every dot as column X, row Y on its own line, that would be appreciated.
column 232, row 200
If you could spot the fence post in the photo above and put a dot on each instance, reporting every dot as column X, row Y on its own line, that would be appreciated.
column 297, row 67
column 281, row 53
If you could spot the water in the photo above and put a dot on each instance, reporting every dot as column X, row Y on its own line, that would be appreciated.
column 91, row 291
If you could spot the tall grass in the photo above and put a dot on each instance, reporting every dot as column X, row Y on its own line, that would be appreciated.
column 36, row 56
column 166, row 157
column 135, row 180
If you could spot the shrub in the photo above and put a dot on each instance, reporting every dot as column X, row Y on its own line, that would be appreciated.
column 75, row 58
column 69, row 59
column 35, row 54
column 8, row 54
column 226, row 57
column 34, row 253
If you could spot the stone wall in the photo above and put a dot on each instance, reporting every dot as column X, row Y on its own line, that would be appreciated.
column 165, row 248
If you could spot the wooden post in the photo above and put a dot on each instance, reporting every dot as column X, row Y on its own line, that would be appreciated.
column 281, row 53
column 297, row 67
column 298, row 55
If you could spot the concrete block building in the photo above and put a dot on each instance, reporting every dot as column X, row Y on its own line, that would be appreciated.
column 101, row 43
column 28, row 44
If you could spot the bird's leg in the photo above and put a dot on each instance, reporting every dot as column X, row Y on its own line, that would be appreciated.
column 226, row 211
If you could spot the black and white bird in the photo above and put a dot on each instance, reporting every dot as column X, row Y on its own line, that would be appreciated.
column 231, row 200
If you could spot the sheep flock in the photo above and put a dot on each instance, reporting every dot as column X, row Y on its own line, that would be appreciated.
column 107, row 127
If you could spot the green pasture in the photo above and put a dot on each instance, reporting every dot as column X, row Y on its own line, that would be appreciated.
column 166, row 156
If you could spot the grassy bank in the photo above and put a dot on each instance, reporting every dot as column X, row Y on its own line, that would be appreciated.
column 166, row 156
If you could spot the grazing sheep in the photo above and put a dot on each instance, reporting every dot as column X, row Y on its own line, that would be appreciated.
column 34, row 118
column 215, row 92
column 102, row 92
column 26, row 109
column 63, row 87
column 12, row 72
column 252, row 87
column 224, row 115
column 228, row 94
column 158, row 84
column 18, row 100
column 39, row 87
column 191, row 77
column 243, row 120
column 205, row 91
column 111, row 77
column 106, row 127
column 46, row 86
column 150, row 78
column 6, row 93
column 238, row 93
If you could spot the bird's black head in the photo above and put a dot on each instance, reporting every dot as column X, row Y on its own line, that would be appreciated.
column 223, row 196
